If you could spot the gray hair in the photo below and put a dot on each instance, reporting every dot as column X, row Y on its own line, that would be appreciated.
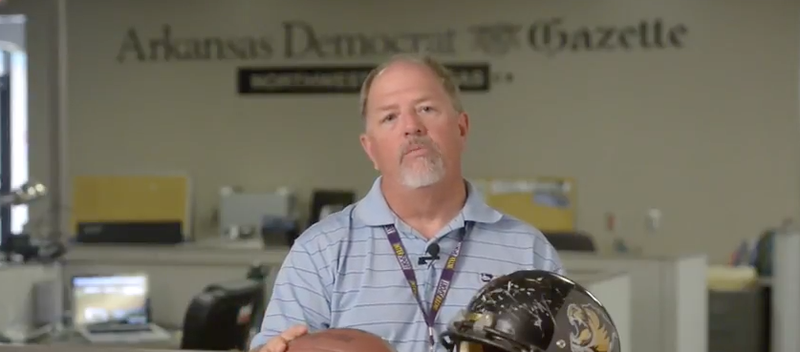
column 442, row 73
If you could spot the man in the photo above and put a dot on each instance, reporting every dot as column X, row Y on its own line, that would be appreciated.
column 346, row 270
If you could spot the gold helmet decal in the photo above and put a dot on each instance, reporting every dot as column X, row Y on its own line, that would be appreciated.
column 590, row 329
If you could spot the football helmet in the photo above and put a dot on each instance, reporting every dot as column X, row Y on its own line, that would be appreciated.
column 532, row 311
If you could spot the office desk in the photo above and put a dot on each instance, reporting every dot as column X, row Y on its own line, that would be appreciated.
column 176, row 273
column 209, row 252
column 72, row 338
column 67, row 348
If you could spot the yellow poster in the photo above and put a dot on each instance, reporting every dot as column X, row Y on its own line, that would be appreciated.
column 547, row 203
column 102, row 198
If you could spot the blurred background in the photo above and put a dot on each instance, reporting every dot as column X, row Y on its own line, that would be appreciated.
column 175, row 149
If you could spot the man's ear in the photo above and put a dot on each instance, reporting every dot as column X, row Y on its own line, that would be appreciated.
column 463, row 125
column 367, row 145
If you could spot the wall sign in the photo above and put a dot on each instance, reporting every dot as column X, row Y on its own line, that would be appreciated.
column 301, row 41
column 340, row 79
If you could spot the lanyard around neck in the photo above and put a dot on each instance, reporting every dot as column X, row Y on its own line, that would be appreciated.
column 443, row 286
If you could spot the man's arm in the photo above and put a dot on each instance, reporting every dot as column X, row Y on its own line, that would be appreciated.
column 301, row 296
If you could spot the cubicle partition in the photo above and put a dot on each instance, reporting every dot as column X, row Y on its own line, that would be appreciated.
column 179, row 275
column 658, row 303
column 785, row 288
column 176, row 273
column 19, row 305
column 614, row 291
column 75, row 348
column 668, row 297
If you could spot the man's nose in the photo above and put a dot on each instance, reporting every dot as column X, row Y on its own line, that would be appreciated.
column 412, row 125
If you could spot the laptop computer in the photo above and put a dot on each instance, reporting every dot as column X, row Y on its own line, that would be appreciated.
column 114, row 309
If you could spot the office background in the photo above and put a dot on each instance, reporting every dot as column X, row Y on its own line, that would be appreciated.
column 704, row 129
column 697, row 119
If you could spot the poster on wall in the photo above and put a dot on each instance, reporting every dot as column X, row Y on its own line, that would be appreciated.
column 548, row 203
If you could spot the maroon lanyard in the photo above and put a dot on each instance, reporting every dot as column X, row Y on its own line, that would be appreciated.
column 442, row 288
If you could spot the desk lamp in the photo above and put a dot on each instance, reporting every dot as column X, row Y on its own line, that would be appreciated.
column 27, row 193
column 22, row 245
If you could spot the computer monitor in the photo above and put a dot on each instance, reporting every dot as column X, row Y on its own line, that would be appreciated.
column 221, row 317
column 112, row 299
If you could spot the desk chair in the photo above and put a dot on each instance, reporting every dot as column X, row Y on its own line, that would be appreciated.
column 571, row 241
column 322, row 199
column 221, row 317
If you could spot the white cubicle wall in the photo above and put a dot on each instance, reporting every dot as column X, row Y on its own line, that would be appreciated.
column 74, row 348
column 19, row 284
column 669, row 298
column 668, row 301
column 614, row 291
column 176, row 273
column 786, row 293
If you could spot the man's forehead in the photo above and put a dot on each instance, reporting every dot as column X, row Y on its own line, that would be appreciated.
column 405, row 92
column 414, row 83
column 404, row 71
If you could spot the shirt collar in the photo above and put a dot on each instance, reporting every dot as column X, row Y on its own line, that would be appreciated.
column 372, row 210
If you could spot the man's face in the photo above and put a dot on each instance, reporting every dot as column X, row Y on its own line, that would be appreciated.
column 413, row 133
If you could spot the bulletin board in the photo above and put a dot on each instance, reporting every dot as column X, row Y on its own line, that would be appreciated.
column 547, row 203
column 131, row 198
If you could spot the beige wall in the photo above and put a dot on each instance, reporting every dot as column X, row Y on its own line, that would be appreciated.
column 41, row 46
column 707, row 133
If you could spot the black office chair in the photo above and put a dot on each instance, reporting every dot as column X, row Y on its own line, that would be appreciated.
column 322, row 199
column 571, row 241
column 221, row 317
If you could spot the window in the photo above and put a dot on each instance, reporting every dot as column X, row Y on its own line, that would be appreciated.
column 13, row 136
column 5, row 145
column 19, row 134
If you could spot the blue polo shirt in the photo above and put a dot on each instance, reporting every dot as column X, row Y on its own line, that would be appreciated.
column 342, row 272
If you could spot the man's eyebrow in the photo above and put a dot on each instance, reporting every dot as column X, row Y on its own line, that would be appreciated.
column 387, row 107
column 423, row 99
column 394, row 106
column 416, row 101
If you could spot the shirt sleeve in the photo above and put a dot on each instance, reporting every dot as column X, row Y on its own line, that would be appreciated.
column 300, row 295
column 546, row 257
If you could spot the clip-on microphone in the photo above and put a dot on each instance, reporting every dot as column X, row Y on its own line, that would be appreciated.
column 433, row 254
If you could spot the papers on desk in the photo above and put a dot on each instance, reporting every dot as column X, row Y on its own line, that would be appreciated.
column 18, row 334
column 731, row 278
